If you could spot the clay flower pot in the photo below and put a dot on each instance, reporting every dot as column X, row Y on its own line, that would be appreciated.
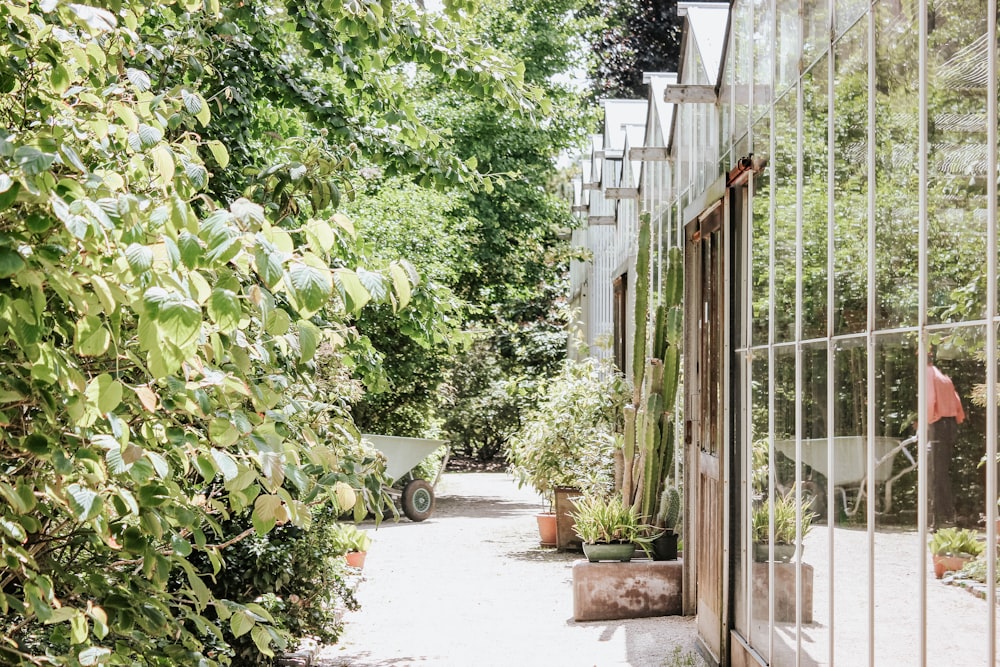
column 944, row 564
column 547, row 528
column 356, row 558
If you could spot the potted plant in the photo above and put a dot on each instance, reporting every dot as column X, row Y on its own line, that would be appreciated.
column 609, row 528
column 784, row 528
column 952, row 548
column 664, row 544
column 352, row 542
column 568, row 440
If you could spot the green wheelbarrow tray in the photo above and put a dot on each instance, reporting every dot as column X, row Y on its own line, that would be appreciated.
column 402, row 455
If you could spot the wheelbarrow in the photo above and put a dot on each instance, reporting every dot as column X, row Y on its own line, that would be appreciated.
column 850, row 467
column 402, row 455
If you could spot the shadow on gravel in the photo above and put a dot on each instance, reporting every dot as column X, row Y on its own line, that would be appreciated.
column 544, row 556
column 363, row 660
column 482, row 507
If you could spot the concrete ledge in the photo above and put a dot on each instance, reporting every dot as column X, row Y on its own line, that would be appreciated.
column 640, row 588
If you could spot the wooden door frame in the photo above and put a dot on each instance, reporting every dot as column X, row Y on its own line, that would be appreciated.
column 693, row 454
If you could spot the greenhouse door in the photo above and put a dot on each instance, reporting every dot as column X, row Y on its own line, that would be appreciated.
column 705, row 429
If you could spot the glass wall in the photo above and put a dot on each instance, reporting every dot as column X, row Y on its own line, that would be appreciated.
column 867, row 251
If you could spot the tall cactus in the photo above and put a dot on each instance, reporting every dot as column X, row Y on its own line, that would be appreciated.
column 648, row 447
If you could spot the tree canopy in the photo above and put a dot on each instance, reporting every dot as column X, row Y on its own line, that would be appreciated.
column 179, row 296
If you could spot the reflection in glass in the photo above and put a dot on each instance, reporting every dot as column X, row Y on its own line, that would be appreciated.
column 897, row 218
column 957, row 180
column 763, row 47
column 851, row 183
column 760, row 239
column 785, row 217
column 814, row 201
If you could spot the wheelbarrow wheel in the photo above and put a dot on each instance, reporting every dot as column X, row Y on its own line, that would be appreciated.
column 418, row 500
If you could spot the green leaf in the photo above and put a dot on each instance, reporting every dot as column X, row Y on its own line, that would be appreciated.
column 222, row 432
column 91, row 339
column 219, row 152
column 138, row 78
column 226, row 463
column 33, row 161
column 401, row 283
column 309, row 337
column 224, row 309
column 94, row 655
column 269, row 265
column 190, row 247
column 197, row 174
column 241, row 623
column 78, row 628
column 192, row 102
column 105, row 392
column 277, row 323
column 262, row 640
column 139, row 257
column 9, row 194
column 59, row 78
column 178, row 319
column 149, row 136
column 163, row 161
column 308, row 285
column 10, row 262
column 84, row 503
column 356, row 296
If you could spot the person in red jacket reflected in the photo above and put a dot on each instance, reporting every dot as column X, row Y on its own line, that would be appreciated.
column 944, row 414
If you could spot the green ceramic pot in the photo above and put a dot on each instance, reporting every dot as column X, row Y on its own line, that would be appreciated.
column 620, row 551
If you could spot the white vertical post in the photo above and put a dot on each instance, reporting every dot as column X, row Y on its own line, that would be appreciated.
column 923, row 180
column 831, row 296
column 870, row 337
column 991, row 324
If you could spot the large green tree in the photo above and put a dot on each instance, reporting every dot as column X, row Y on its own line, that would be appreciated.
column 178, row 298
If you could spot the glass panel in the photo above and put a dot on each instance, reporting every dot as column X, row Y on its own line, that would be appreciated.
column 760, row 240
column 816, row 34
column 897, row 218
column 851, row 183
column 960, row 356
column 849, row 11
column 848, row 585
column 957, row 184
column 785, row 214
column 763, row 45
column 897, row 543
column 814, row 201
column 740, row 47
column 787, row 45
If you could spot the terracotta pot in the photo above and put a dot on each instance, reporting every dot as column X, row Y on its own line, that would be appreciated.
column 944, row 564
column 547, row 528
column 356, row 558
column 620, row 551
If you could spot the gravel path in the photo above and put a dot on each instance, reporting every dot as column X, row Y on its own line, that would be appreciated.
column 471, row 587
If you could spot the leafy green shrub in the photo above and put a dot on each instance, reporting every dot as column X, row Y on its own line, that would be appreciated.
column 570, row 438
column 290, row 576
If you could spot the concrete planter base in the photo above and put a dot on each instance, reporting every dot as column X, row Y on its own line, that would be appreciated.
column 640, row 588
column 784, row 591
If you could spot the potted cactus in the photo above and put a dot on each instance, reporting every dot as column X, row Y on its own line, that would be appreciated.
column 664, row 545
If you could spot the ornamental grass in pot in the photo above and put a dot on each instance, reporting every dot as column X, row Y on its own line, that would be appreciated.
column 609, row 529
column 784, row 528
